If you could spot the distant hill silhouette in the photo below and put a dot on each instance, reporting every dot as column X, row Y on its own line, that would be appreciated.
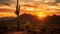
column 28, row 17
column 32, row 19
column 53, row 21
column 23, row 19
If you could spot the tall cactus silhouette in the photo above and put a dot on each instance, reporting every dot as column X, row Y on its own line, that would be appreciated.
column 17, row 13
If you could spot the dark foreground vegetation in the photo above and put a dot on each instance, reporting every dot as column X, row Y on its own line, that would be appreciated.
column 30, row 24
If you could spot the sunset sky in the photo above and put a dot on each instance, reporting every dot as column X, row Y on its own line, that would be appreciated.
column 34, row 7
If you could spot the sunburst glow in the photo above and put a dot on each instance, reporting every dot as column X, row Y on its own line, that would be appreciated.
column 41, row 14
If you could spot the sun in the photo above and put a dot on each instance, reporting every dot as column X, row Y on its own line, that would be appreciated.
column 41, row 14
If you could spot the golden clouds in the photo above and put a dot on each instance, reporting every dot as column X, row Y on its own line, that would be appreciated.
column 5, row 14
column 45, row 0
column 40, row 7
column 49, row 0
column 33, row 8
column 7, row 7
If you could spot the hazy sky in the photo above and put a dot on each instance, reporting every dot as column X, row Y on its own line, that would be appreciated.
column 25, row 1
